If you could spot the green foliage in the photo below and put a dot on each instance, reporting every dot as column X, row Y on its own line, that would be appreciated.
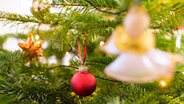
column 33, row 82
column 7, row 18
column 23, row 82
column 151, row 93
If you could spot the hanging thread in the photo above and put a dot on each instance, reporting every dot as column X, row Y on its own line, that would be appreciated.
column 82, row 61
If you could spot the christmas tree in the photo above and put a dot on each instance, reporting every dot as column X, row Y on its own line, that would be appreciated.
column 74, row 31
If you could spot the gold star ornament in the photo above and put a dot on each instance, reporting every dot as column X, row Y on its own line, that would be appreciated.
column 32, row 48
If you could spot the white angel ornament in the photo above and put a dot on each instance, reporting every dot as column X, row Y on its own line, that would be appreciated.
column 138, row 60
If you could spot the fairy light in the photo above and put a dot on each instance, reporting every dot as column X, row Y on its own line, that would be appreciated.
column 32, row 38
column 163, row 83
column 37, row 37
column 38, row 43
column 67, row 53
column 101, row 43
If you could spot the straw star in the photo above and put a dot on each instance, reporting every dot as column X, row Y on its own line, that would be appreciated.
column 32, row 48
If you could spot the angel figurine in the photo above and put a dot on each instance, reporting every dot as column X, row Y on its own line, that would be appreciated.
column 138, row 61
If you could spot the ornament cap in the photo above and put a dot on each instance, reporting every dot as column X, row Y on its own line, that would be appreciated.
column 82, row 68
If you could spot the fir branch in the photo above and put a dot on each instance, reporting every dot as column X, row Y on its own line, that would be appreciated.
column 60, row 66
column 107, row 79
column 73, row 67
column 104, row 11
column 99, row 62
column 88, row 4
column 67, row 4
column 12, row 17
column 39, row 83
column 97, row 3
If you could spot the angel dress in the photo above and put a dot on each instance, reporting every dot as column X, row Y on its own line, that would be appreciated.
column 138, row 60
column 151, row 66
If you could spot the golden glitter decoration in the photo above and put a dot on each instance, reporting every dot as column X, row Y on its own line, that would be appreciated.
column 32, row 48
column 125, row 43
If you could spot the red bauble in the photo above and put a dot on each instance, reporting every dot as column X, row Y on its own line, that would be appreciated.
column 83, row 83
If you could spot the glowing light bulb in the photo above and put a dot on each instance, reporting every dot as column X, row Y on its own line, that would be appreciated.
column 38, row 43
column 67, row 53
column 37, row 37
column 163, row 83
column 32, row 38
column 101, row 43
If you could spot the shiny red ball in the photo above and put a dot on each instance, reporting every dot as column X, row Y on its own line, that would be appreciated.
column 83, row 83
